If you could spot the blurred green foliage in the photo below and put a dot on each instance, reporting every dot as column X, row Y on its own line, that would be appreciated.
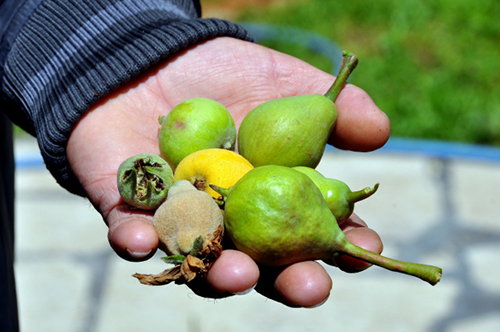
column 432, row 66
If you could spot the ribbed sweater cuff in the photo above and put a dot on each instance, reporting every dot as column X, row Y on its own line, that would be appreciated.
column 71, row 53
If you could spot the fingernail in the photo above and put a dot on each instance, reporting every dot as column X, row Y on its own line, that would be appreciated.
column 319, row 304
column 246, row 291
column 137, row 254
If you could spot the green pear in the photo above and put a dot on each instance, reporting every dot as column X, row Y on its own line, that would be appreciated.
column 337, row 194
column 278, row 216
column 293, row 131
column 195, row 124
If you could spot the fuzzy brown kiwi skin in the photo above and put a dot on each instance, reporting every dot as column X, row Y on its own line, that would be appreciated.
column 184, row 217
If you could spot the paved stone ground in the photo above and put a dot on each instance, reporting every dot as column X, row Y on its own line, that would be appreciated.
column 429, row 209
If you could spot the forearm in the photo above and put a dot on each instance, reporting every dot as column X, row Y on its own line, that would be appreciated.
column 68, row 54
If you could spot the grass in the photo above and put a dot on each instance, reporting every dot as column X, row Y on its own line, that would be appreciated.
column 432, row 66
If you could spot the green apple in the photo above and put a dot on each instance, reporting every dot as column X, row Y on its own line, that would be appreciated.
column 193, row 125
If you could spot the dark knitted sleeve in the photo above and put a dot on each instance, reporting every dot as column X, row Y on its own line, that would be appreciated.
column 69, row 53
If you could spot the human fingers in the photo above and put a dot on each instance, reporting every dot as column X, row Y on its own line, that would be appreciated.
column 303, row 284
column 233, row 272
column 361, row 125
column 131, row 233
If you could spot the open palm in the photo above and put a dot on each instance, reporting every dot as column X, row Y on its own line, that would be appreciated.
column 240, row 75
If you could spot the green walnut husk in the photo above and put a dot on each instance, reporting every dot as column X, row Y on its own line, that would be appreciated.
column 144, row 181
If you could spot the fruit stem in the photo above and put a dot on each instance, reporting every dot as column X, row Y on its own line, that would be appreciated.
column 359, row 195
column 161, row 119
column 223, row 191
column 429, row 273
column 348, row 64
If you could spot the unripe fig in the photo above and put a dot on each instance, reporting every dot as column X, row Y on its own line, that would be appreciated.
column 144, row 180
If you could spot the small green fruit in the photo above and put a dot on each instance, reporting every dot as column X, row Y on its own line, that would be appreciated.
column 144, row 180
column 193, row 125
column 278, row 216
column 337, row 194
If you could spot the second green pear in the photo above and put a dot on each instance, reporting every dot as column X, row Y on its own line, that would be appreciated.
column 289, row 131
column 292, row 131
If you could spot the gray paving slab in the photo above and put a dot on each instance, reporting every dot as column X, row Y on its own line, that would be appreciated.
column 433, row 210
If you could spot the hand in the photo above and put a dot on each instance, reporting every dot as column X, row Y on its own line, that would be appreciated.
column 240, row 75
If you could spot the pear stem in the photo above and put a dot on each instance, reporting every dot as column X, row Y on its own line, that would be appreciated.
column 222, row 191
column 429, row 273
column 348, row 64
column 161, row 119
column 359, row 195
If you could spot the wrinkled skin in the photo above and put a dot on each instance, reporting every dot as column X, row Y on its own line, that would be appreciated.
column 240, row 75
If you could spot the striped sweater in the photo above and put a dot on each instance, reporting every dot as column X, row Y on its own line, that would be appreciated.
column 57, row 58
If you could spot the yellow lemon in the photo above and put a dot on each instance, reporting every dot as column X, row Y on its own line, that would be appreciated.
column 220, row 167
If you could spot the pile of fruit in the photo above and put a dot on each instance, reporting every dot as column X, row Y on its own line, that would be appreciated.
column 267, row 198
